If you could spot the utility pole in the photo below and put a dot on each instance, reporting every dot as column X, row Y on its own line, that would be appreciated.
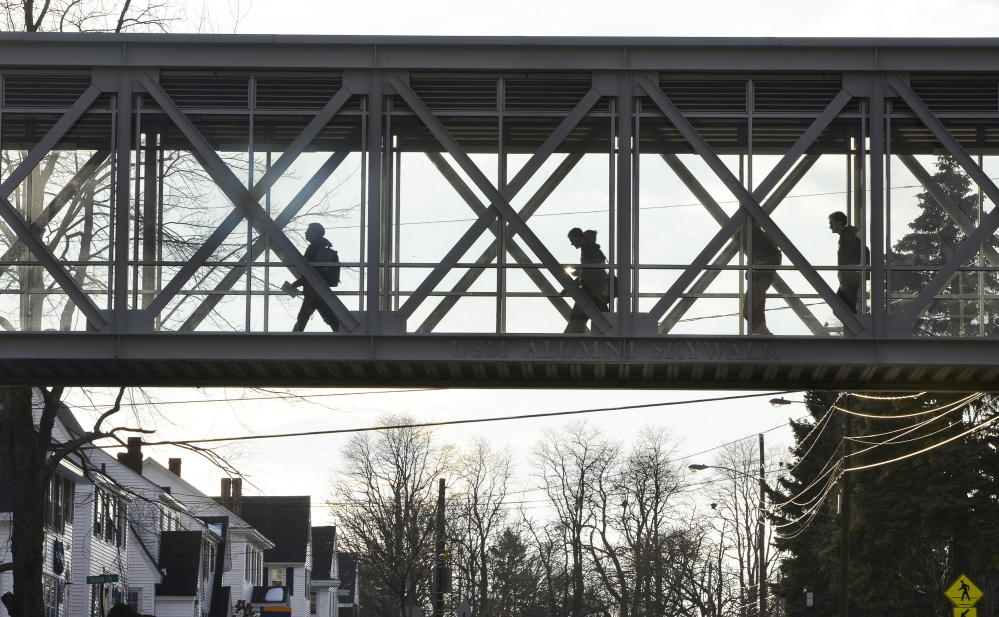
column 441, row 578
column 844, row 517
column 761, row 588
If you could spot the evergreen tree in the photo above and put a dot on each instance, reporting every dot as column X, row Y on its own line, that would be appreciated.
column 921, row 521
column 933, row 239
column 916, row 522
column 805, row 513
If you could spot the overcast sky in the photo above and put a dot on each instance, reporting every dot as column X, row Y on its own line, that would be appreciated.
column 929, row 18
column 296, row 466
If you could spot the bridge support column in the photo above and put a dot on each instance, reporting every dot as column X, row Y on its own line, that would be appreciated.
column 375, row 165
column 122, row 196
column 625, row 226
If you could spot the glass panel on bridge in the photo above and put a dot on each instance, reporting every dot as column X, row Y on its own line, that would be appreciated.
column 500, row 122
column 935, row 205
column 685, row 202
column 65, row 201
column 180, row 205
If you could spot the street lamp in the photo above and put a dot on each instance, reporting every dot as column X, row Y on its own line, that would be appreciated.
column 760, row 526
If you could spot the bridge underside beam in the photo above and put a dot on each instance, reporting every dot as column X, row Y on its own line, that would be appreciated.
column 523, row 361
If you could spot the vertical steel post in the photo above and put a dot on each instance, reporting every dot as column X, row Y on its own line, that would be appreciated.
column 878, row 300
column 374, row 204
column 625, row 265
column 502, row 227
column 122, row 195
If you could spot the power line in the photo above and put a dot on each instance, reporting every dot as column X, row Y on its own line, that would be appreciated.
column 467, row 421
column 926, row 449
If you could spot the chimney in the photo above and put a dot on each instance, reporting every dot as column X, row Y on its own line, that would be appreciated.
column 237, row 497
column 174, row 464
column 227, row 493
column 133, row 457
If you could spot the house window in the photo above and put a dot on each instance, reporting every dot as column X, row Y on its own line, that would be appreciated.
column 109, row 517
column 208, row 560
column 50, row 596
column 132, row 598
column 252, row 565
column 169, row 520
column 59, row 503
column 312, row 603
column 277, row 577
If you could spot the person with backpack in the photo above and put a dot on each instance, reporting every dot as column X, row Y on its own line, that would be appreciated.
column 765, row 253
column 320, row 253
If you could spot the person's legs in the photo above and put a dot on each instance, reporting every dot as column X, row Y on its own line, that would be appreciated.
column 328, row 315
column 759, row 305
column 848, row 293
column 305, row 313
column 577, row 321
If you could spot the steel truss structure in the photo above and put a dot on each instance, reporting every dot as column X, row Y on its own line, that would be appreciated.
column 155, row 189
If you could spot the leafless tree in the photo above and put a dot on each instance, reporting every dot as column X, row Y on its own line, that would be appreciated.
column 571, row 465
column 479, row 512
column 736, row 516
column 386, row 498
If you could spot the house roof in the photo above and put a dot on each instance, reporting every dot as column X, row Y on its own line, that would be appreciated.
column 347, row 562
column 188, row 494
column 323, row 552
column 180, row 560
column 286, row 522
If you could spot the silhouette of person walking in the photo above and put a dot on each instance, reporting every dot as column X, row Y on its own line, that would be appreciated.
column 765, row 253
column 847, row 254
column 320, row 249
column 593, row 281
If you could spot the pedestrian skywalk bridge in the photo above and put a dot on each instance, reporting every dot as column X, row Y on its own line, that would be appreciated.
column 155, row 190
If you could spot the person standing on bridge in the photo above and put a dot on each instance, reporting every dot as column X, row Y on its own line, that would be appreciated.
column 848, row 254
column 765, row 253
column 320, row 251
column 592, row 280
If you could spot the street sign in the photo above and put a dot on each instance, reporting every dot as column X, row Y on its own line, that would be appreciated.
column 965, row 612
column 808, row 599
column 963, row 594
column 103, row 578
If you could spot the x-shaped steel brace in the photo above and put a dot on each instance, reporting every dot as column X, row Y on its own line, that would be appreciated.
column 84, row 175
column 499, row 203
column 24, row 231
column 989, row 223
column 257, row 248
column 749, row 203
column 733, row 247
column 247, row 201
column 487, row 257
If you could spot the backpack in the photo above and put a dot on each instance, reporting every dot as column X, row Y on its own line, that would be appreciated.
column 329, row 274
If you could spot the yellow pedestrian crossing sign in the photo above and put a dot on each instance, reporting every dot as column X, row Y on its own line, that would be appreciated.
column 963, row 594
column 965, row 612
